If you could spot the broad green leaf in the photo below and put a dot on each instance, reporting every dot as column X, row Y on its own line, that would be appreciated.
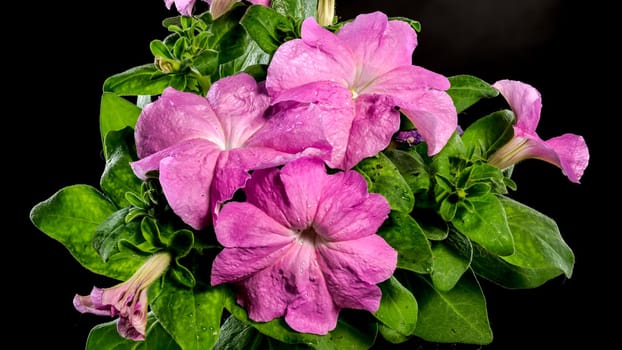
column 71, row 216
column 106, row 336
column 140, row 80
column 300, row 9
column 118, row 177
column 206, row 63
column 538, row 242
column 455, row 316
column 191, row 316
column 488, row 133
column 397, row 311
column 237, row 335
column 454, row 152
column 449, row 266
column 267, row 27
column 486, row 224
column 344, row 336
column 385, row 178
column 115, row 113
column 403, row 233
column 466, row 90
column 501, row 272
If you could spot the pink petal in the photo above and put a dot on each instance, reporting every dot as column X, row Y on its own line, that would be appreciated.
column 175, row 117
column 375, row 122
column 573, row 155
column 186, row 174
column 526, row 103
column 318, row 56
column 240, row 105
column 347, row 211
column 433, row 114
column 353, row 268
column 378, row 45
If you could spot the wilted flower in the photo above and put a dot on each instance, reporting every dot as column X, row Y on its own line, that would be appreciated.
column 304, row 246
column 128, row 300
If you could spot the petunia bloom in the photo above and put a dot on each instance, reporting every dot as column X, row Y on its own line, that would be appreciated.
column 204, row 147
column 358, row 77
column 219, row 7
column 128, row 300
column 304, row 246
column 568, row 152
column 184, row 7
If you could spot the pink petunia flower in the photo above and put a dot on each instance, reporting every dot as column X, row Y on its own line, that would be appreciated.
column 218, row 7
column 128, row 300
column 204, row 148
column 568, row 152
column 184, row 7
column 304, row 246
column 359, row 76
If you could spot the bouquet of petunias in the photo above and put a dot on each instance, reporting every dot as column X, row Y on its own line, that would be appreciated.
column 279, row 177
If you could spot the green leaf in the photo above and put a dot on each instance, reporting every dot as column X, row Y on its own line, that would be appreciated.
column 538, row 242
column 412, row 168
column 344, row 336
column 466, row 90
column 385, row 178
column 191, row 316
column 488, row 133
column 486, row 224
column 237, row 335
column 403, row 233
column 112, row 230
column 206, row 63
column 252, row 57
column 71, row 216
column 140, row 80
column 397, row 311
column 449, row 266
column 159, row 49
column 455, row 316
column 115, row 113
column 106, row 336
column 296, row 8
column 118, row 177
column 267, row 27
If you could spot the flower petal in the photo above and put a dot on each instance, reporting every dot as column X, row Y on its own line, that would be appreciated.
column 526, row 103
column 573, row 155
column 375, row 122
column 240, row 105
column 353, row 268
column 186, row 174
column 173, row 118
column 378, row 45
column 347, row 211
column 318, row 56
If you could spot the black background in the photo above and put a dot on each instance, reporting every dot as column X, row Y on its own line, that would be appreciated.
column 62, row 54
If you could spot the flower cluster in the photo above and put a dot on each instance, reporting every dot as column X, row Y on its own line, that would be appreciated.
column 295, row 175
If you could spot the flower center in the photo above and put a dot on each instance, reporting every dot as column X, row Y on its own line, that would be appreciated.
column 308, row 236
